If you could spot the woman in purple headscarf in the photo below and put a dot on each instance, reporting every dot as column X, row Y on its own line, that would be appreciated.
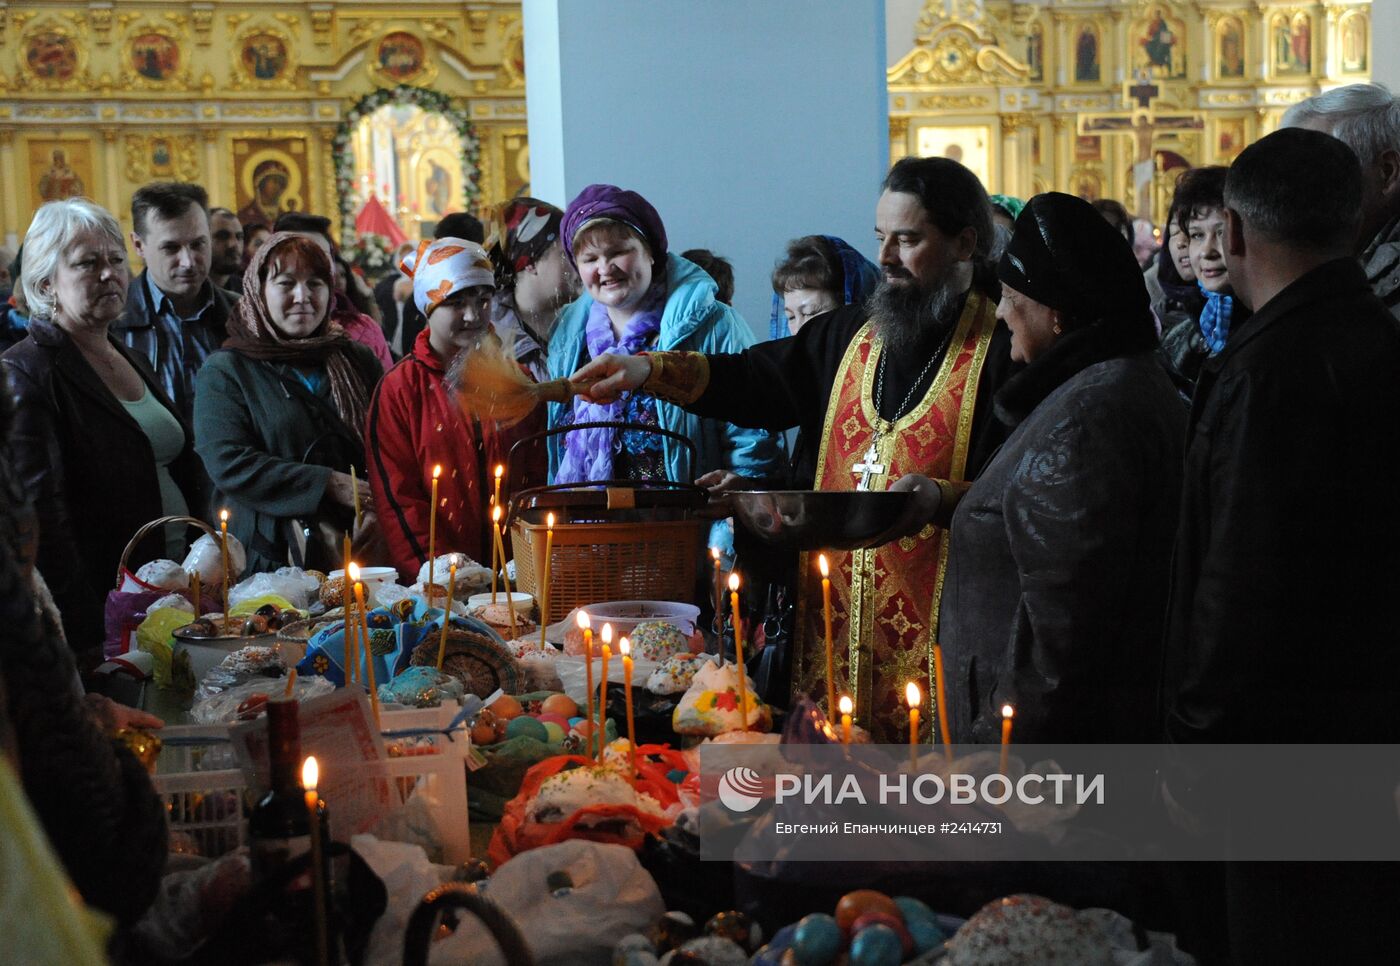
column 639, row 297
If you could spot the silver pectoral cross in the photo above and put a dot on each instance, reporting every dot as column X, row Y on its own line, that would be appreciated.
column 868, row 467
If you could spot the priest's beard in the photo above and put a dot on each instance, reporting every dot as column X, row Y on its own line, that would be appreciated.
column 906, row 317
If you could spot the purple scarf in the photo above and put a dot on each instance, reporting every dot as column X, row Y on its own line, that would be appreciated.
column 588, row 453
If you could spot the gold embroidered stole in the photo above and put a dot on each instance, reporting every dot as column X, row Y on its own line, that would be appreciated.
column 885, row 600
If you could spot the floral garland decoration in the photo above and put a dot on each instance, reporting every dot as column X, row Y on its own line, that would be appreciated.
column 431, row 101
column 372, row 253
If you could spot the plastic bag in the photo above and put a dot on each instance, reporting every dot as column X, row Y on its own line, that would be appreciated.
column 155, row 636
column 206, row 559
column 711, row 705
column 222, row 708
column 421, row 687
column 165, row 574
column 292, row 584
column 611, row 895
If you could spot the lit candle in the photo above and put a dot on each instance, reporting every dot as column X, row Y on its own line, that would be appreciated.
column 505, row 577
column 587, row 627
column 291, row 682
column 432, row 528
column 355, row 494
column 719, row 588
column 739, row 651
column 544, row 578
column 500, row 471
column 310, row 773
column 364, row 636
column 625, row 646
column 347, row 603
column 607, row 637
column 914, row 697
column 940, row 692
column 223, row 541
column 495, row 560
column 1007, row 713
column 447, row 612
column 846, row 708
column 830, row 650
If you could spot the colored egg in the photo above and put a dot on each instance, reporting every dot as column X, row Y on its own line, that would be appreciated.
column 876, row 946
column 483, row 734
column 575, row 719
column 507, row 707
column 817, row 940
column 556, row 733
column 911, row 909
column 581, row 728
column 926, row 933
column 906, row 943
column 855, row 904
column 737, row 927
column 560, row 704
column 524, row 726
column 558, row 719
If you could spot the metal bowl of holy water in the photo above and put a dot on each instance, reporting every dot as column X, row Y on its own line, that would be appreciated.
column 821, row 520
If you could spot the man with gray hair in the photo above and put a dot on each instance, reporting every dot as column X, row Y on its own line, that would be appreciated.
column 1366, row 118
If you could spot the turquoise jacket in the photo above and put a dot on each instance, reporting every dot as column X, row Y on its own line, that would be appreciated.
column 693, row 321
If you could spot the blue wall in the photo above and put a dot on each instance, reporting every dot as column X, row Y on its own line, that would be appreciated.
column 745, row 122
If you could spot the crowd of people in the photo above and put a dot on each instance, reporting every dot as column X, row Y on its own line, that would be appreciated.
column 1150, row 475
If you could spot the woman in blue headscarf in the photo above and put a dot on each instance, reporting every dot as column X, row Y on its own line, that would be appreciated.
column 818, row 274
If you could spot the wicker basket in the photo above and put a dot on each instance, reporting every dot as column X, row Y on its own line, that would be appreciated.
column 146, row 530
column 613, row 539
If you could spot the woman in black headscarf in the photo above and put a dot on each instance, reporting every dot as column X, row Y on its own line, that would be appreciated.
column 1057, row 571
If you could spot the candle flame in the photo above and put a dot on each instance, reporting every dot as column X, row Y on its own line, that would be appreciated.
column 1007, row 711
column 733, row 581
column 583, row 622
column 223, row 516
column 912, row 695
column 846, row 704
column 310, row 773
column 607, row 634
column 549, row 520
column 500, row 471
column 437, row 470
column 354, row 572
column 495, row 514
column 625, row 647
column 823, row 566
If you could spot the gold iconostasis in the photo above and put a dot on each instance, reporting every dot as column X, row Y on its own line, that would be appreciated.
column 1113, row 99
column 325, row 106
column 271, row 106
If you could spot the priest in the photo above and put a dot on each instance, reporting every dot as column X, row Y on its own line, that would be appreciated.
column 900, row 386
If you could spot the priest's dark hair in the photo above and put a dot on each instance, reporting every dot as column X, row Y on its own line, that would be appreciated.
column 951, row 194
column 1299, row 188
column 168, row 199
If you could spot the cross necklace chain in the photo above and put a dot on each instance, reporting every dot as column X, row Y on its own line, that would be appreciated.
column 870, row 464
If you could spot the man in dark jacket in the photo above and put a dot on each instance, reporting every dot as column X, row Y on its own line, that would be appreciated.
column 1282, row 625
column 175, row 316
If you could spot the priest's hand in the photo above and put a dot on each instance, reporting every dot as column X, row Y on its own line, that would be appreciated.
column 922, row 509
column 720, row 483
column 607, row 377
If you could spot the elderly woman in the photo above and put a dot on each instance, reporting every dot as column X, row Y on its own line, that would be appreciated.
column 280, row 411
column 415, row 423
column 534, row 279
column 1059, row 551
column 100, row 447
column 640, row 298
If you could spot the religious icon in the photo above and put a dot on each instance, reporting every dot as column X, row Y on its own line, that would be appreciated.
column 269, row 175
column 154, row 56
column 1088, row 147
column 1230, row 48
column 1086, row 54
column 59, row 181
column 1158, row 42
column 437, row 189
column 1035, row 52
column 400, row 55
column 264, row 56
column 1292, row 44
column 1229, row 139
column 1355, row 44
column 51, row 56
column 59, row 169
column 969, row 146
column 1088, row 186
column 160, row 158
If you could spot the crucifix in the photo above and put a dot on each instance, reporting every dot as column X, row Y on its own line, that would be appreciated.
column 869, row 466
column 1143, row 122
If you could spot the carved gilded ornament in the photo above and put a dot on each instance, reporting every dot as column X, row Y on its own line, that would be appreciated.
column 951, row 102
column 264, row 57
column 152, row 157
column 899, row 128
column 101, row 20
column 511, row 74
column 322, row 24
column 1015, row 123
